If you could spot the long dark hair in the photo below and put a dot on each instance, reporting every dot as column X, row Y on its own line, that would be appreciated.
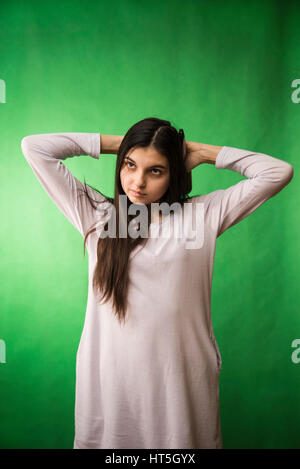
column 111, row 274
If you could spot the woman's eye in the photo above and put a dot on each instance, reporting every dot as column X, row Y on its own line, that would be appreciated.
column 157, row 173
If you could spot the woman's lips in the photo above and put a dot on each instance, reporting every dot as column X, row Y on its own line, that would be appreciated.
column 137, row 194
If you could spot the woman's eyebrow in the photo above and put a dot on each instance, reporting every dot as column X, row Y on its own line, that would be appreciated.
column 154, row 166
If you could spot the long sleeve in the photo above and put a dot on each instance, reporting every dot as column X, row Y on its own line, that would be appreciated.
column 44, row 153
column 266, row 177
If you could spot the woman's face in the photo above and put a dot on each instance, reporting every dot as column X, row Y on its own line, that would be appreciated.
column 146, row 171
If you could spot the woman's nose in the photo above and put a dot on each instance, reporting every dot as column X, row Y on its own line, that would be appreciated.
column 140, row 181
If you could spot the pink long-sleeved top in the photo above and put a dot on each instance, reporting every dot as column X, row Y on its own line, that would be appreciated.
column 153, row 383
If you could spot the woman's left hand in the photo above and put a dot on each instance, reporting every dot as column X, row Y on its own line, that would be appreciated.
column 192, row 158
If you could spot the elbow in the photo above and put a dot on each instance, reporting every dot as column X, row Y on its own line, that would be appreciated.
column 27, row 144
column 285, row 175
column 281, row 176
column 288, row 173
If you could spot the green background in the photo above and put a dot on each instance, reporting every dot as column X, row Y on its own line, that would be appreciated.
column 221, row 70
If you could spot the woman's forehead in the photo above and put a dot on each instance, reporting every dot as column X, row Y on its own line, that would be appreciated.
column 149, row 154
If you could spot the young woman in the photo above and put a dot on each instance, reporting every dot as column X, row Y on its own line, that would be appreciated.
column 148, row 364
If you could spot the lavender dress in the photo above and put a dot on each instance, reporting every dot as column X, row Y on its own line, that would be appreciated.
column 153, row 383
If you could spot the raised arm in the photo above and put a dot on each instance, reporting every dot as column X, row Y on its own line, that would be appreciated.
column 266, row 177
column 44, row 153
column 198, row 153
column 110, row 143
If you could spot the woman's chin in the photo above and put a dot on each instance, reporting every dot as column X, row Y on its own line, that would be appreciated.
column 136, row 200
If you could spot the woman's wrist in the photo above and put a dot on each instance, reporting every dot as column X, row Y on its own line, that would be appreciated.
column 202, row 152
column 209, row 153
column 198, row 153
column 110, row 143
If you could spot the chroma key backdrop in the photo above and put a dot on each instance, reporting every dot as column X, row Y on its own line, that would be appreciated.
column 228, row 74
